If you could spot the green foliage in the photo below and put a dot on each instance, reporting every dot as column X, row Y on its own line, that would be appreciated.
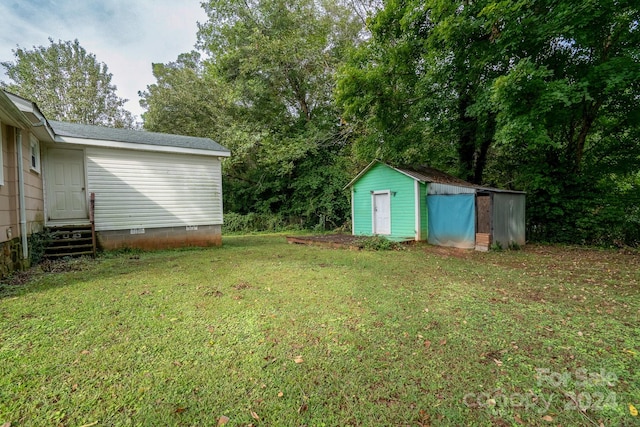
column 38, row 243
column 514, row 246
column 379, row 243
column 254, row 222
column 496, row 246
column 534, row 95
column 68, row 84
column 184, row 100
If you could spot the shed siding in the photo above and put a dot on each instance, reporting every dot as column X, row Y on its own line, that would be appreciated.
column 424, row 212
column 148, row 190
column 379, row 178
column 448, row 189
column 509, row 218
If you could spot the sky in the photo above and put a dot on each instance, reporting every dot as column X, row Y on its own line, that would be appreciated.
column 127, row 35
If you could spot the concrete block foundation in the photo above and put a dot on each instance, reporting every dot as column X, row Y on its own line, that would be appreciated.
column 161, row 238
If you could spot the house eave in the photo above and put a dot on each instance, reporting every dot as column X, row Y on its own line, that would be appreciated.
column 32, row 118
column 11, row 114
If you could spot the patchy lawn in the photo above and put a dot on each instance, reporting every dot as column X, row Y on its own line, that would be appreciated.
column 266, row 333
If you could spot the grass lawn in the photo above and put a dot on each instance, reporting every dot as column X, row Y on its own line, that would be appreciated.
column 266, row 333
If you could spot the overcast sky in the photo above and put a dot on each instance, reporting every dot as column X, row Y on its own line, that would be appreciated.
column 127, row 35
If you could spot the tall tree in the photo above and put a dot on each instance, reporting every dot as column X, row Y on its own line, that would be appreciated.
column 270, row 68
column 184, row 100
column 68, row 84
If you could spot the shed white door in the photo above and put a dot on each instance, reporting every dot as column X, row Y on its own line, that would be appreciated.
column 382, row 213
column 66, row 198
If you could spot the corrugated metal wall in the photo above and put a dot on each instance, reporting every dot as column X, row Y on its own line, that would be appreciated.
column 441, row 189
column 146, row 190
column 509, row 218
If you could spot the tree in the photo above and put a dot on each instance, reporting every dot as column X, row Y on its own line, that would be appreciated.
column 266, row 92
column 541, row 95
column 68, row 84
column 184, row 100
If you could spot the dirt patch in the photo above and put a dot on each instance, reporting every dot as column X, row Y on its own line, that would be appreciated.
column 447, row 252
column 242, row 285
column 329, row 240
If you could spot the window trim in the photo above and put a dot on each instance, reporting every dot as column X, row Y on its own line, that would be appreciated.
column 34, row 154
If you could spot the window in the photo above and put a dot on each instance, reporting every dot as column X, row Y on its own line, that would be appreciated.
column 1, row 157
column 35, row 154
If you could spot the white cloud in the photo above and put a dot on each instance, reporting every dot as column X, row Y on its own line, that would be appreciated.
column 126, row 35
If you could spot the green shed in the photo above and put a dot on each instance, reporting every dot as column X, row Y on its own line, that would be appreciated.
column 423, row 203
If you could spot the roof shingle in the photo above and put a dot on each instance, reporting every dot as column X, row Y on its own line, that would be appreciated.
column 101, row 133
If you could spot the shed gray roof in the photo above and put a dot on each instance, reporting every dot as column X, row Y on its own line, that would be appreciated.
column 101, row 133
column 429, row 174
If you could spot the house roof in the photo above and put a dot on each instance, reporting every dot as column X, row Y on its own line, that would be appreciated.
column 102, row 133
column 11, row 114
column 426, row 174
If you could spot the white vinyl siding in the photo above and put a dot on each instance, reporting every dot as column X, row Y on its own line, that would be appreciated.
column 136, row 190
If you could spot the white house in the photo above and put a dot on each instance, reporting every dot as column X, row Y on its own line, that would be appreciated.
column 150, row 190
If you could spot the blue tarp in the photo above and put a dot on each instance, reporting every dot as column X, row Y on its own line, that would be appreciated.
column 452, row 220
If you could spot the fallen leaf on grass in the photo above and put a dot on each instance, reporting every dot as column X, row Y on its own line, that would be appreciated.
column 498, row 362
column 280, row 394
column 632, row 410
column 74, row 387
column 427, row 344
column 443, row 342
column 85, row 352
column 255, row 416
column 298, row 359
column 180, row 410
column 303, row 408
column 223, row 420
column 548, row 418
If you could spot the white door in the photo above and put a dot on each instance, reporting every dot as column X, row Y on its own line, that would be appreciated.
column 66, row 198
column 382, row 213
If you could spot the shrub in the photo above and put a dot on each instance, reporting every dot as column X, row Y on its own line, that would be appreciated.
column 38, row 243
column 514, row 246
column 379, row 243
column 254, row 222
column 496, row 246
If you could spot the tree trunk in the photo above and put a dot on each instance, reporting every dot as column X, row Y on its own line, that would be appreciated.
column 467, row 139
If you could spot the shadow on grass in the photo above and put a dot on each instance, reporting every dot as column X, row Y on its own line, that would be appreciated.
column 70, row 271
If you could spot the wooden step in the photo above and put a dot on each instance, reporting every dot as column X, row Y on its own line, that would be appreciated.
column 70, row 241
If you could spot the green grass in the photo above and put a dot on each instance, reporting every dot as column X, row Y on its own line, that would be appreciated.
column 412, row 337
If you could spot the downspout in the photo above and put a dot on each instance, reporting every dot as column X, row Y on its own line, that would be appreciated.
column 23, row 210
